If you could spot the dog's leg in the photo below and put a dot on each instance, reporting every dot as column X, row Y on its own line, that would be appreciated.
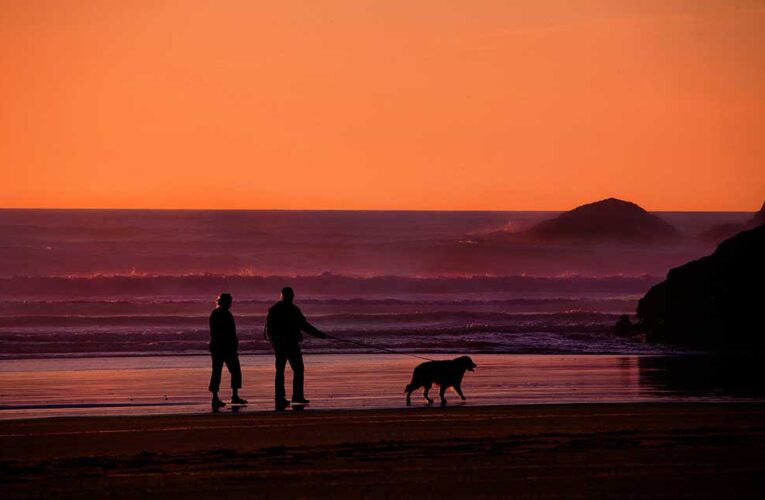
column 442, row 393
column 458, row 390
column 409, row 398
column 427, row 389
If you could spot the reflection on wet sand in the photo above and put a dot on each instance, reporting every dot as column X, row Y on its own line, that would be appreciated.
column 704, row 376
column 160, row 385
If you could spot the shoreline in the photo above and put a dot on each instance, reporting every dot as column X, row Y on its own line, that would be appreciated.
column 178, row 384
column 242, row 411
column 456, row 407
column 652, row 450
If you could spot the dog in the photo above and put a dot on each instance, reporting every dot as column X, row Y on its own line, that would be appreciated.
column 445, row 374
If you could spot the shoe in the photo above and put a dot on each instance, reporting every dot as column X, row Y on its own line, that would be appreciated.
column 301, row 401
column 217, row 403
column 238, row 401
column 281, row 404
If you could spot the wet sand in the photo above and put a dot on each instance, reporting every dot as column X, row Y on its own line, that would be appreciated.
column 178, row 384
column 642, row 450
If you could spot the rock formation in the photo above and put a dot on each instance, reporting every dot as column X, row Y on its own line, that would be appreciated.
column 719, row 232
column 605, row 220
column 715, row 302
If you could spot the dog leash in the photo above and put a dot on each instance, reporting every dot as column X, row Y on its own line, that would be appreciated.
column 362, row 344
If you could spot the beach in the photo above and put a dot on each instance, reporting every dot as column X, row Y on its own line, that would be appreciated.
column 638, row 450
column 533, row 426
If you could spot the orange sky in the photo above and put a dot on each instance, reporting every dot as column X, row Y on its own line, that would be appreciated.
column 395, row 104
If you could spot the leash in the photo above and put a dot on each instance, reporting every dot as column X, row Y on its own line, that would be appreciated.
column 362, row 344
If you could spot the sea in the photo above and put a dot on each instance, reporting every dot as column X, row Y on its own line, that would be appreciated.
column 81, row 288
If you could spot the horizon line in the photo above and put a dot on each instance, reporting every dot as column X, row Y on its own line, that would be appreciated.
column 424, row 210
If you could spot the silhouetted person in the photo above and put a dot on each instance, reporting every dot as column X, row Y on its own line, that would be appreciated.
column 224, row 349
column 284, row 325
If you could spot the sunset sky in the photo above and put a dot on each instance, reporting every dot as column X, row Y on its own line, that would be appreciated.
column 394, row 104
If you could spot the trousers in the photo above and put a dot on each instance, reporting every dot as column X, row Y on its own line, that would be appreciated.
column 289, row 353
column 231, row 360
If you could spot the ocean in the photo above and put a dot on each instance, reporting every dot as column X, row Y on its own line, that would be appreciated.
column 94, row 283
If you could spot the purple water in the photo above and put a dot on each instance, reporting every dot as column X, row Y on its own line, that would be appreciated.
column 100, row 282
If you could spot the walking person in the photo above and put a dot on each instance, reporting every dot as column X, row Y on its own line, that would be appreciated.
column 224, row 346
column 284, row 325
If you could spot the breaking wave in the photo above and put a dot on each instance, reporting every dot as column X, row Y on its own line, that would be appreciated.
column 335, row 286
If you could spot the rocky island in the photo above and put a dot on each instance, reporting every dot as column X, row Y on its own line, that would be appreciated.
column 609, row 220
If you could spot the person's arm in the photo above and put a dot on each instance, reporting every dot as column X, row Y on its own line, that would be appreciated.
column 213, row 331
column 232, row 333
column 267, row 327
column 310, row 329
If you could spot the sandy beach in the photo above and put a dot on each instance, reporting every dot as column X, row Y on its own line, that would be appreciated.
column 688, row 450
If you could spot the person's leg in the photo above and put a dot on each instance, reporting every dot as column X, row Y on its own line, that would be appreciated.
column 217, row 370
column 281, row 363
column 235, row 369
column 295, row 358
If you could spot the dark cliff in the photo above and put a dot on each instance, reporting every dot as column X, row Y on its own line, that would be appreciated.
column 715, row 302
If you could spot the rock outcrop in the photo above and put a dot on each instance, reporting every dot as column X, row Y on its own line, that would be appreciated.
column 716, row 302
column 605, row 220
column 759, row 217
column 719, row 232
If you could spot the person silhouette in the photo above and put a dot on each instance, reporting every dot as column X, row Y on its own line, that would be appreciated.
column 224, row 346
column 283, row 329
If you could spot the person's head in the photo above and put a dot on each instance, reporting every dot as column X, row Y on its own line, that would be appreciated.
column 288, row 294
column 224, row 300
